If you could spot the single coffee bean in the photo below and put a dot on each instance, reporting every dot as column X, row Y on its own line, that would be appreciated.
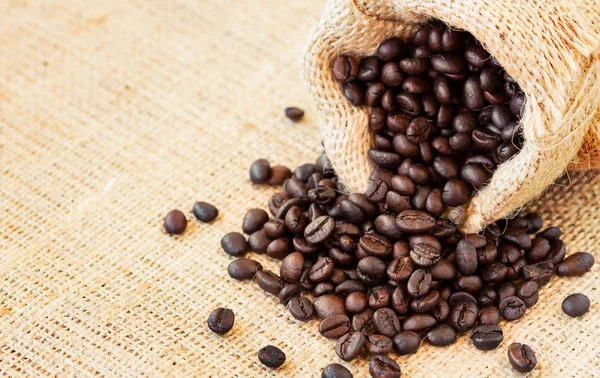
column 418, row 322
column 243, row 269
column 391, row 75
column 425, row 250
column 335, row 326
column 279, row 248
column 448, row 64
column 375, row 245
column 234, row 244
column 494, row 273
column 371, row 270
column 260, row 171
column 345, row 68
column 221, row 320
column 459, row 297
column 414, row 66
column 350, row 286
column 443, row 270
column 455, row 193
column 464, row 316
column 380, row 297
column 557, row 252
column 336, row 371
column 278, row 174
column 319, row 230
column 354, row 92
column 271, row 356
column 383, row 367
column 409, row 104
column 487, row 337
column 521, row 357
column 291, row 267
column 487, row 297
column 414, row 221
column 528, row 292
column 322, row 270
column 427, row 303
column 441, row 335
column 293, row 113
column 471, row 284
column 466, row 257
column 349, row 346
column 259, row 242
column 517, row 238
column 301, row 308
column 175, row 222
column 288, row 292
column 576, row 305
column 378, row 344
column 441, row 312
column 205, row 212
column 269, row 281
column 386, row 322
column 392, row 49
column 356, row 302
column 254, row 220
column 576, row 264
column 329, row 304
column 323, row 288
column 489, row 316
column 512, row 308
column 400, row 269
column 505, row 290
column 540, row 272
column 406, row 342
column 419, row 283
column 418, row 130
column 295, row 188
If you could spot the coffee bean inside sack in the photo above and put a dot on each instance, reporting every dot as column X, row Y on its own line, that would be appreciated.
column 389, row 267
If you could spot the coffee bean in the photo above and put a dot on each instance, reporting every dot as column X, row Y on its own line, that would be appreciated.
column 234, row 244
column 301, row 308
column 349, row 346
column 379, row 298
column 336, row 371
column 489, row 316
column 291, row 267
column 409, row 104
column 278, row 175
column 205, row 212
column 322, row 270
column 323, row 288
column 472, row 93
column 466, row 257
column 335, row 326
column 259, row 242
column 243, row 269
column 386, row 322
column 425, row 250
column 279, row 248
column 459, row 297
column 512, row 308
column 400, row 269
column 540, row 272
column 494, row 273
column 392, row 49
column 356, row 302
column 260, row 171
column 254, row 220
column 441, row 335
column 528, row 292
column 476, row 56
column 269, row 281
column 400, row 300
column 414, row 221
column 371, row 270
column 418, row 130
column 375, row 245
column 456, row 193
column 558, row 251
column 391, row 75
column 576, row 264
column 378, row 344
column 345, row 68
column 418, row 322
column 294, row 188
column 276, row 201
column 414, row 66
column 464, row 316
column 288, row 292
column 419, row 283
column 443, row 270
column 221, row 320
column 354, row 92
column 521, row 357
column 293, row 113
column 383, row 367
column 350, row 286
column 487, row 337
column 175, row 222
column 319, row 230
column 406, row 342
column 271, row 356
column 505, row 290
column 329, row 304
column 396, row 203
column 426, row 303
column 576, row 305
column 404, row 147
column 471, row 284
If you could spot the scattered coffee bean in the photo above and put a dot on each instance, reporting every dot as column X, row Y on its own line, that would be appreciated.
column 378, row 344
column 221, row 320
column 383, row 367
column 521, row 357
column 175, row 222
column 260, row 171
column 301, row 308
column 269, row 281
column 512, row 308
column 205, row 212
column 441, row 335
column 406, row 342
column 243, row 269
column 293, row 113
column 271, row 356
column 349, row 346
column 335, row 326
column 336, row 371
column 234, row 244
column 487, row 337
column 329, row 304
column 278, row 175
column 576, row 305
column 575, row 265
column 254, row 220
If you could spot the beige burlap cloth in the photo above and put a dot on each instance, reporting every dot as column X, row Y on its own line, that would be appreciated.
column 551, row 48
column 113, row 113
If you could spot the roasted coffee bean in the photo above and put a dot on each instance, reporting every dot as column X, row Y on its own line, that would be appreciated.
column 448, row 64
column 464, row 316
column 350, row 286
column 512, row 308
column 234, row 244
column 400, row 300
column 291, row 267
column 288, row 204
column 279, row 248
column 276, row 201
column 345, row 68
column 384, row 158
column 441, row 335
column 521, row 357
column 371, row 270
column 508, row 254
column 443, row 270
column 397, row 122
column 379, row 298
column 419, row 283
column 558, row 251
column 336, row 371
column 472, row 93
column 354, row 92
column 296, row 221
column 254, row 220
column 404, row 147
column 414, row 221
column 378, row 344
column 301, row 308
column 540, row 272
column 175, row 222
column 293, row 113
column 455, row 193
column 294, row 188
column 494, row 273
column 576, row 305
column 278, row 175
column 426, row 303
column 271, row 356
column 383, row 367
column 529, row 293
column 349, row 346
column 259, row 242
column 400, row 269
column 386, row 322
column 288, row 292
column 335, row 326
column 576, row 264
column 418, row 322
column 517, row 238
column 269, row 281
column 319, row 230
column 338, row 277
column 368, row 208
column 471, row 284
column 487, row 254
column 243, row 269
column 409, row 103
column 459, row 297
column 466, row 257
column 322, row 270
column 329, row 304
column 391, row 75
column 489, row 316
column 487, row 337
column 221, row 320
column 205, row 212
column 414, row 66
column 392, row 49
column 425, row 250
column 369, row 69
column 406, row 342
column 442, row 311
column 418, row 130
column 551, row 233
column 260, row 171
column 505, row 290
column 376, row 245
column 356, row 302
column 363, row 322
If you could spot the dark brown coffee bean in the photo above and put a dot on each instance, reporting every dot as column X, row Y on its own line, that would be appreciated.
column 472, row 94
column 448, row 64
column 406, row 342
column 443, row 270
column 386, row 322
column 376, row 245
column 494, row 273
column 345, row 68
column 392, row 49
column 419, row 174
column 319, row 230
column 487, row 337
column 276, row 201
column 397, row 122
column 576, row 264
column 293, row 113
column 512, row 308
column 426, row 303
column 521, row 357
column 175, row 222
column 400, row 300
column 260, row 171
column 271, row 356
column 279, row 248
column 336, row 371
column 476, row 56
column 409, row 104
column 441, row 335
column 322, row 270
column 540, row 272
column 301, row 308
column 466, row 257
column 234, row 244
column 259, row 242
column 383, row 367
column 528, row 292
column 349, row 346
column 414, row 221
column 369, row 69
column 288, row 292
column 489, row 316
column 417, row 84
column 205, row 212
column 576, row 305
column 243, row 269
column 419, row 283
column 418, row 322
column 356, row 302
column 404, row 147
column 471, row 284
column 391, row 75
column 456, row 193
column 254, row 220
column 388, row 101
column 418, row 130
column 329, row 304
column 414, row 66
column 291, row 267
column 278, row 175
column 350, row 286
column 335, row 326
column 371, row 270
column 517, row 238
column 464, row 316
column 221, row 320
column 400, row 269
column 294, row 188
column 441, row 311
column 378, row 344
column 491, row 80
column 425, row 250
column 505, row 290
column 384, row 158
column 269, row 281
column 354, row 92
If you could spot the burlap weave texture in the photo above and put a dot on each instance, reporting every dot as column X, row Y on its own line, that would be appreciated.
column 113, row 113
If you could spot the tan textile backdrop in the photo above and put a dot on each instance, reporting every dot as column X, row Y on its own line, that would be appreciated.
column 114, row 112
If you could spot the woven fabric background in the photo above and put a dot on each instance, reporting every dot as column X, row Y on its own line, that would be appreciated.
column 114, row 112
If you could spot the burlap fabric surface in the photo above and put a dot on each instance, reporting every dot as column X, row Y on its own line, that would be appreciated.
column 113, row 113
column 551, row 48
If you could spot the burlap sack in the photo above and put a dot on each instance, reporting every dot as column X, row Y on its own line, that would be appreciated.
column 114, row 112
column 549, row 47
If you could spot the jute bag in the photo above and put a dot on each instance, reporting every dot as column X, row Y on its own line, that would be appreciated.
column 551, row 48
